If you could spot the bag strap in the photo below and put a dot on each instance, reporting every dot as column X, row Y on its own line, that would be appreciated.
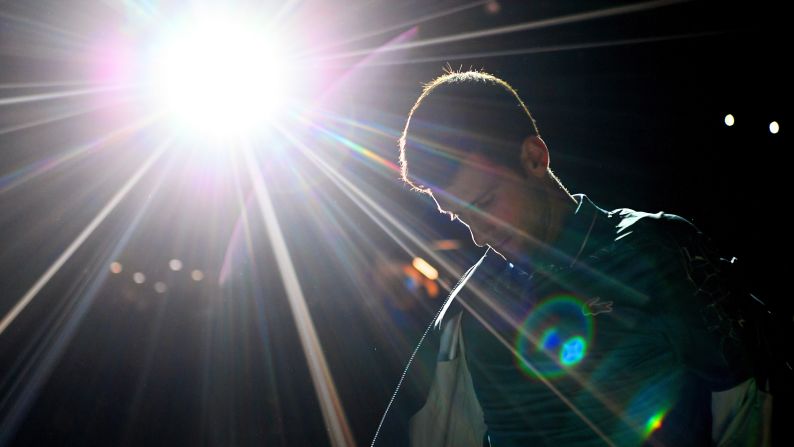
column 435, row 322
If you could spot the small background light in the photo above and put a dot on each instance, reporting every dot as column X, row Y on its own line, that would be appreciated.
column 115, row 267
column 774, row 127
column 729, row 120
column 139, row 278
column 446, row 244
column 175, row 265
column 197, row 275
column 425, row 268
column 493, row 7
column 160, row 287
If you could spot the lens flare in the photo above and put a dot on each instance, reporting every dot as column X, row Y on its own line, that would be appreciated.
column 654, row 423
column 648, row 408
column 573, row 351
column 550, row 340
column 554, row 337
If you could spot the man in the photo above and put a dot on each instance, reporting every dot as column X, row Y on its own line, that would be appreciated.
column 591, row 327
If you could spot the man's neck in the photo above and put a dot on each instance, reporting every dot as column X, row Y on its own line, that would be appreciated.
column 555, row 208
column 561, row 207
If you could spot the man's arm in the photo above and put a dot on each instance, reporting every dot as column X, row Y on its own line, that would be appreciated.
column 718, row 336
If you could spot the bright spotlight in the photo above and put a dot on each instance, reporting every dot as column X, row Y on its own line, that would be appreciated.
column 774, row 127
column 219, row 75
column 729, row 120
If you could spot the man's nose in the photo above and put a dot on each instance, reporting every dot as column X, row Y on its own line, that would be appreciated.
column 465, row 217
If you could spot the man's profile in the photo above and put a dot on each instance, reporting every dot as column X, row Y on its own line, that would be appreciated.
column 488, row 162
column 603, row 328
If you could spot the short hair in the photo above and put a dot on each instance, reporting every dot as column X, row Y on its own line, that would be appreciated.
column 459, row 113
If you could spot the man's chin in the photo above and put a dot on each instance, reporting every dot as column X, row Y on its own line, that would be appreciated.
column 493, row 241
column 503, row 247
column 501, row 244
column 477, row 240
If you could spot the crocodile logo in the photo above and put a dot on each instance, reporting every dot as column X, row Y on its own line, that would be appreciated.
column 595, row 306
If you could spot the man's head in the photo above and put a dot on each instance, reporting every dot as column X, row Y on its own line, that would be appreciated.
column 471, row 143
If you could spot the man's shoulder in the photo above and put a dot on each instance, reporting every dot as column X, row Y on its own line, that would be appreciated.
column 627, row 227
column 660, row 229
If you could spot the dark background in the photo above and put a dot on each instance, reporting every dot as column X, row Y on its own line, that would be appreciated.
column 632, row 107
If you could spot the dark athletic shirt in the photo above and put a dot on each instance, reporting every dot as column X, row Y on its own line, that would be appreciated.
column 622, row 336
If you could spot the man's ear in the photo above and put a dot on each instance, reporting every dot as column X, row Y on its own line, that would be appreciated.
column 535, row 156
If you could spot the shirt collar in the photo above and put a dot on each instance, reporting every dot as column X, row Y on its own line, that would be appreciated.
column 581, row 231
column 578, row 232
